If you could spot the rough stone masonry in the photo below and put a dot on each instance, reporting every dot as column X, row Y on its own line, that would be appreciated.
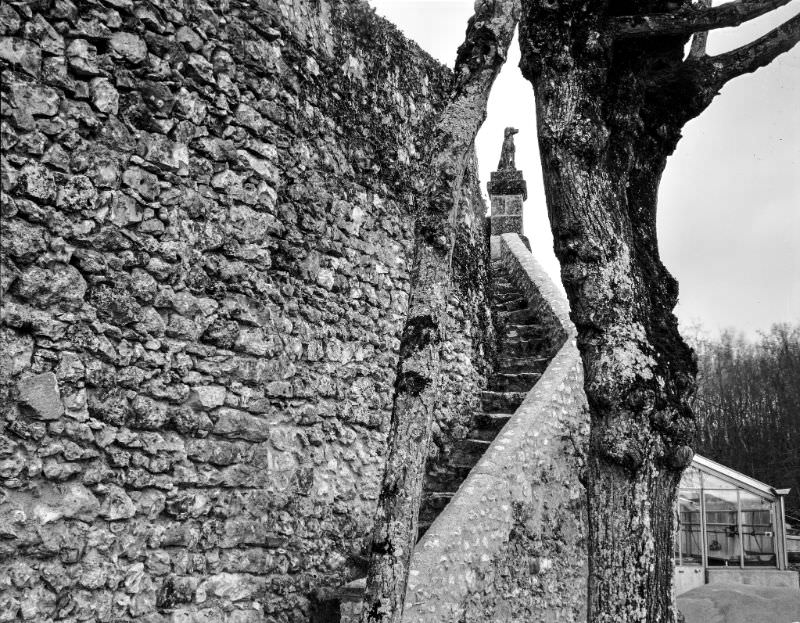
column 206, row 229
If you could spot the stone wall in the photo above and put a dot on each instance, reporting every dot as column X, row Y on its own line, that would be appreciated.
column 206, row 240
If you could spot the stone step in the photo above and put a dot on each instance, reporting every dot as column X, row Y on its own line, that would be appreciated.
column 519, row 316
column 350, row 599
column 527, row 331
column 501, row 402
column 432, row 503
column 510, row 365
column 520, row 347
column 513, row 382
column 422, row 528
column 515, row 338
column 504, row 286
column 506, row 295
column 486, row 426
column 445, row 478
column 510, row 305
column 503, row 280
column 468, row 452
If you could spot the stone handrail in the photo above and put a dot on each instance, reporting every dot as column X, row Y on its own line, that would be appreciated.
column 510, row 543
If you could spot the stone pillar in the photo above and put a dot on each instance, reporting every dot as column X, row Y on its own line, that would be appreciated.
column 507, row 191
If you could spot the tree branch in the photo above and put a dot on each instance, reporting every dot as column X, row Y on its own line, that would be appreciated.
column 717, row 70
column 692, row 19
column 700, row 39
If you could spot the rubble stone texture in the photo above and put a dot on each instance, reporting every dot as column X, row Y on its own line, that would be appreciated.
column 206, row 227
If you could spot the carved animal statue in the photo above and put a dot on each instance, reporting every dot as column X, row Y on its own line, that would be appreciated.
column 507, row 155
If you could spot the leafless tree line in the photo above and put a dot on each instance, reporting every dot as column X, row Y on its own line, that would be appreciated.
column 748, row 406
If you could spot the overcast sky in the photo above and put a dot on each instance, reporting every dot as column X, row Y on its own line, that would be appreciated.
column 729, row 208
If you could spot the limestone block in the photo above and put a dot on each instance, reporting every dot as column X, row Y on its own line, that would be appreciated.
column 170, row 155
column 22, row 240
column 228, row 181
column 9, row 20
column 117, row 504
column 236, row 424
column 190, row 106
column 41, row 31
column 129, row 46
column 201, row 68
column 82, row 57
column 189, row 38
column 16, row 350
column 104, row 96
column 208, row 396
column 37, row 603
column 125, row 210
column 36, row 99
column 143, row 182
column 71, row 501
column 31, row 319
column 60, row 284
column 70, row 367
column 41, row 395
column 37, row 181
column 22, row 53
column 77, row 194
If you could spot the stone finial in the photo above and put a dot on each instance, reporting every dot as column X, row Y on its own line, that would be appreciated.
column 507, row 154
column 507, row 190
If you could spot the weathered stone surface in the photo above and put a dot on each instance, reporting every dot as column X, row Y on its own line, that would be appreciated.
column 144, row 183
column 36, row 99
column 104, row 96
column 82, row 57
column 206, row 241
column 22, row 240
column 37, row 181
column 130, row 46
column 117, row 504
column 41, row 395
column 62, row 283
column 77, row 194
column 21, row 53
column 73, row 501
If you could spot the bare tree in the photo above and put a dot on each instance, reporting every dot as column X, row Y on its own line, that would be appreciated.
column 748, row 406
column 478, row 62
column 613, row 90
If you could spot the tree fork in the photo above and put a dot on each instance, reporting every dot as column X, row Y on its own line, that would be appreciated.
column 478, row 62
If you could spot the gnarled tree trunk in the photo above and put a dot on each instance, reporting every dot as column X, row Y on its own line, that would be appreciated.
column 612, row 94
column 479, row 60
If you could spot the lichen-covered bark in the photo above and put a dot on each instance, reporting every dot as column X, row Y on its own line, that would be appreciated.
column 610, row 109
column 416, row 390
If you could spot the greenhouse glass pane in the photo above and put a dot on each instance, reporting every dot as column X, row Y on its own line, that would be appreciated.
column 689, row 536
column 722, row 528
column 758, row 531
column 712, row 482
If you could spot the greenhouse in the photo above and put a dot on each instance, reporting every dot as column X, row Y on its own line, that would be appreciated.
column 730, row 528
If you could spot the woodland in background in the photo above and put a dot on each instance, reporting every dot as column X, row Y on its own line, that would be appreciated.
column 748, row 406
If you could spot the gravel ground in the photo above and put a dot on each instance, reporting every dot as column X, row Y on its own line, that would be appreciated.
column 740, row 603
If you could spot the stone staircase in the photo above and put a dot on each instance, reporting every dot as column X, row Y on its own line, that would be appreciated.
column 524, row 349
column 522, row 357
